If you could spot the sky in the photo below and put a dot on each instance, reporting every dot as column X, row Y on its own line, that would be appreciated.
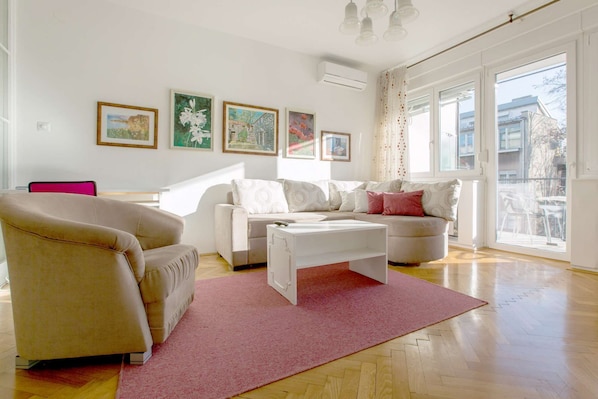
column 532, row 84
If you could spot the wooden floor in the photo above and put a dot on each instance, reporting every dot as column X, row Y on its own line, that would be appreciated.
column 537, row 338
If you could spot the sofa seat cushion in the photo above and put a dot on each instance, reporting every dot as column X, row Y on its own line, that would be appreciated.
column 407, row 226
column 165, row 269
column 258, row 222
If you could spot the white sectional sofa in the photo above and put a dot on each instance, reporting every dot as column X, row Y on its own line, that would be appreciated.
column 240, row 225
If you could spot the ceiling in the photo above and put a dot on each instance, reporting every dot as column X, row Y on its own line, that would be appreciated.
column 311, row 26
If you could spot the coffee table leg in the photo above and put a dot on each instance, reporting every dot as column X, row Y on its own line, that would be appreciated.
column 374, row 268
column 282, row 273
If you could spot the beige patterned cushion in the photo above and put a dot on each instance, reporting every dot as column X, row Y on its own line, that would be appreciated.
column 336, row 186
column 391, row 186
column 347, row 201
column 303, row 196
column 361, row 200
column 439, row 199
column 259, row 196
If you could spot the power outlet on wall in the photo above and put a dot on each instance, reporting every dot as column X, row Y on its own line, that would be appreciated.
column 44, row 127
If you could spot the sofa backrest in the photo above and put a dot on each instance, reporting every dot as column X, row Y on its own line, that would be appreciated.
column 439, row 199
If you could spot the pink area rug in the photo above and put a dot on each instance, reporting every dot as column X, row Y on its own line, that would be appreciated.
column 240, row 334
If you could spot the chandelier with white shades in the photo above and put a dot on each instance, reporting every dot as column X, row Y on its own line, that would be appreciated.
column 403, row 13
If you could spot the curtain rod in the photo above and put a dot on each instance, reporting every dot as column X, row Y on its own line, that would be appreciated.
column 512, row 19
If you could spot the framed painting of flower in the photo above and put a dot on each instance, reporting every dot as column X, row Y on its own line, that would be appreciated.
column 191, row 120
column 301, row 134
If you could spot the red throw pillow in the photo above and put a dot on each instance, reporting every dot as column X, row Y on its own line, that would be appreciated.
column 403, row 203
column 375, row 202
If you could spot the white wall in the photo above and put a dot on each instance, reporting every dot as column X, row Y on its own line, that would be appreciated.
column 73, row 53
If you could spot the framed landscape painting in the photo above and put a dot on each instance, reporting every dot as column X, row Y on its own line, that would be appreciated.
column 249, row 129
column 191, row 120
column 335, row 146
column 300, row 134
column 127, row 126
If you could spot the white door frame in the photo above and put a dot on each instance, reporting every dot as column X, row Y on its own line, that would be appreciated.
column 489, row 138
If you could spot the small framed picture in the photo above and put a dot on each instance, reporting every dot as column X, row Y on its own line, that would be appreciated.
column 191, row 120
column 335, row 146
column 127, row 126
column 300, row 140
column 248, row 129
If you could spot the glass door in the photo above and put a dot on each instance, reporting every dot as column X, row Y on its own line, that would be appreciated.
column 531, row 156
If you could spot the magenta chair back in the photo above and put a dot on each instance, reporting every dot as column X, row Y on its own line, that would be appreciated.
column 74, row 187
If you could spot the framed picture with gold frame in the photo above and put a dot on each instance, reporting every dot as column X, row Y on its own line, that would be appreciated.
column 249, row 129
column 335, row 146
column 127, row 126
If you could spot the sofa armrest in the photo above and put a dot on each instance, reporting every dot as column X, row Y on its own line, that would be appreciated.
column 231, row 233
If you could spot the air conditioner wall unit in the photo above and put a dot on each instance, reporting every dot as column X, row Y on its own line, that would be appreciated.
column 342, row 76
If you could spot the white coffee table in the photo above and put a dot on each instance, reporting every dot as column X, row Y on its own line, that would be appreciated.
column 303, row 245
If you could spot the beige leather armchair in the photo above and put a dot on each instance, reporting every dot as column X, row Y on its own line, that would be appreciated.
column 93, row 276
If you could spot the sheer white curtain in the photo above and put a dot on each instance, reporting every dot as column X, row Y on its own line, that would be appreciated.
column 390, row 155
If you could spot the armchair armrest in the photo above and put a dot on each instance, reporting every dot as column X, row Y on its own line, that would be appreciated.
column 157, row 228
column 153, row 227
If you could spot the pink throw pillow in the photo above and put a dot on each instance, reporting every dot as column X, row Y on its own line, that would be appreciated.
column 375, row 202
column 403, row 203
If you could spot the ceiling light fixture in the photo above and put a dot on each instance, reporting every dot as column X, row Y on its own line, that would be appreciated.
column 404, row 12
column 351, row 24
column 374, row 9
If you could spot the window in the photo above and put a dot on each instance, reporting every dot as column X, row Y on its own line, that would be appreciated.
column 444, row 129
column 466, row 144
column 456, row 127
column 507, row 175
column 6, row 62
column 5, row 94
column 509, row 137
column 530, row 100
column 419, row 134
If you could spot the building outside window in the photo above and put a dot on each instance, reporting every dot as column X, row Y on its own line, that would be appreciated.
column 456, row 133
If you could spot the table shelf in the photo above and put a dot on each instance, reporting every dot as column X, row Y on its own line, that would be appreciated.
column 327, row 258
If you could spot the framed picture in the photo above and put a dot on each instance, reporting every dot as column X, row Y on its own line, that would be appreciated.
column 191, row 120
column 301, row 134
column 127, row 126
column 335, row 146
column 249, row 129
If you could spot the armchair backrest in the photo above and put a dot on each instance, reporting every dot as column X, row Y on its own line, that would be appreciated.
column 151, row 227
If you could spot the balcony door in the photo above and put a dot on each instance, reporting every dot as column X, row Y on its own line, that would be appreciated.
column 530, row 157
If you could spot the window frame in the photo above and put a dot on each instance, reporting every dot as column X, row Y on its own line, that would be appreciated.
column 419, row 94
column 434, row 91
column 7, row 116
column 569, row 48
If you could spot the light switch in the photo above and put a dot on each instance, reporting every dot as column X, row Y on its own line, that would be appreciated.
column 44, row 127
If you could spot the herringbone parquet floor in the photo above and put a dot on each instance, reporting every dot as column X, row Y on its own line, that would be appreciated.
column 537, row 338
